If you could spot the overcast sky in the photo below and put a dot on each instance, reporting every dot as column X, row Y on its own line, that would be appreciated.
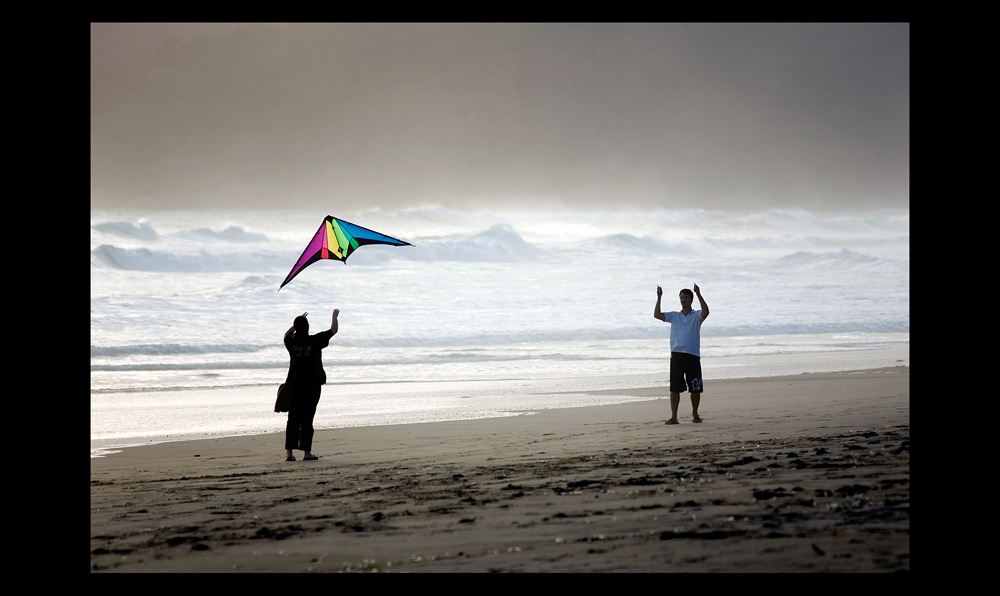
column 583, row 115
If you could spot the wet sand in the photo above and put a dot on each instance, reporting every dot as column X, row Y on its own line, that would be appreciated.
column 807, row 473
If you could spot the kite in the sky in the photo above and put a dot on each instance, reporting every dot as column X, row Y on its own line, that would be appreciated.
column 337, row 239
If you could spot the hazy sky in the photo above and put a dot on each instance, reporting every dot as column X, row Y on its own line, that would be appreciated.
column 393, row 115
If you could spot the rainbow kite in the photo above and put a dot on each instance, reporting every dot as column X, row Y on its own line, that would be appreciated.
column 337, row 239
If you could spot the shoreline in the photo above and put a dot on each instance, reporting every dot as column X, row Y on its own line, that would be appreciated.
column 803, row 473
column 340, row 408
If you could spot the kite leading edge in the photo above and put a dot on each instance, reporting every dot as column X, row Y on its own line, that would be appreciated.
column 337, row 239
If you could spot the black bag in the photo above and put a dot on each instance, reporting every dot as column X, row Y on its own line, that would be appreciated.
column 284, row 401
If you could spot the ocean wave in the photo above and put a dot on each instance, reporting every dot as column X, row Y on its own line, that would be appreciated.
column 187, row 366
column 841, row 260
column 549, row 353
column 462, row 345
column 443, row 338
column 251, row 283
column 173, row 349
column 808, row 328
column 143, row 230
column 229, row 234
column 632, row 244
column 331, row 364
column 500, row 243
column 145, row 259
column 441, row 234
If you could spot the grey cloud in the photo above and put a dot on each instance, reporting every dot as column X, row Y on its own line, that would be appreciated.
column 389, row 115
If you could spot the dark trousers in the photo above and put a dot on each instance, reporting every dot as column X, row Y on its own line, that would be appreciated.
column 299, row 428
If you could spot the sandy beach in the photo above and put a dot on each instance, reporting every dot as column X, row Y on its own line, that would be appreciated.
column 805, row 473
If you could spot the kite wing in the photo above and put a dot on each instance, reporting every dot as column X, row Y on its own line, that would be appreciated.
column 337, row 239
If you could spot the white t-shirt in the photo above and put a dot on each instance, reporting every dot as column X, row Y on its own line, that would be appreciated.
column 685, row 331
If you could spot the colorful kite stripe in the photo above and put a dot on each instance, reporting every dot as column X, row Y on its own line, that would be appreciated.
column 338, row 239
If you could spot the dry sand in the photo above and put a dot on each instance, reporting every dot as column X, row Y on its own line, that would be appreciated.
column 808, row 473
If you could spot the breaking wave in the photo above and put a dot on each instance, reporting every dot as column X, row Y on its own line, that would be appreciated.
column 143, row 230
column 144, row 259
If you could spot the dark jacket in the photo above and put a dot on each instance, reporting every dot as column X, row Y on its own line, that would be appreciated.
column 305, row 365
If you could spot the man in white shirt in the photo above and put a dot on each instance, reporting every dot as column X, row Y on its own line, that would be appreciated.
column 685, row 349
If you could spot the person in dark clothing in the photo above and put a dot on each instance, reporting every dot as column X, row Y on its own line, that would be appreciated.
column 306, row 378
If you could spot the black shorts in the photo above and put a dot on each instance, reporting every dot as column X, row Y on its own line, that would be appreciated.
column 685, row 373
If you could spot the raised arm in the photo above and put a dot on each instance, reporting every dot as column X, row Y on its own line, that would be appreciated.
column 657, row 313
column 701, row 300
column 334, row 325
